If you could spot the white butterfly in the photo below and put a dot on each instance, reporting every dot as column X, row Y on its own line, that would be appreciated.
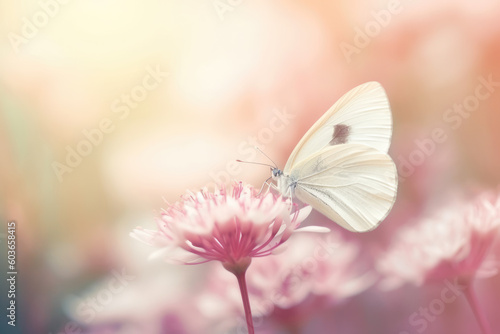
column 341, row 166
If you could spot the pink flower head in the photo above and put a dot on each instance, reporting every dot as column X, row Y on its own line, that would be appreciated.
column 454, row 242
column 230, row 225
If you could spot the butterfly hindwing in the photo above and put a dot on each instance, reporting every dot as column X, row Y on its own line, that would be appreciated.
column 352, row 184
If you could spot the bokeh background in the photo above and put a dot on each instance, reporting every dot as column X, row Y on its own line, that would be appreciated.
column 171, row 92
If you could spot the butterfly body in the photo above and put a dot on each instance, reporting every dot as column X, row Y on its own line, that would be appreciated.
column 286, row 184
column 341, row 166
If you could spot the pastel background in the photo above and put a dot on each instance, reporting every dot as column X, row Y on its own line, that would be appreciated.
column 110, row 108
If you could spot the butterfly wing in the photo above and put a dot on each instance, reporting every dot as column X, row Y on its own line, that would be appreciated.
column 361, row 116
column 352, row 184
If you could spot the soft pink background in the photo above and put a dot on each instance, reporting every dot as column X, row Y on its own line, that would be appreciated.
column 229, row 73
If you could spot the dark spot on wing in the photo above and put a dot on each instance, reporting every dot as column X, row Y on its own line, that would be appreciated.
column 340, row 134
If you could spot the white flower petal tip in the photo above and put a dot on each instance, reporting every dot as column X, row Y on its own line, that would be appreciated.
column 141, row 235
column 159, row 254
column 313, row 229
column 304, row 213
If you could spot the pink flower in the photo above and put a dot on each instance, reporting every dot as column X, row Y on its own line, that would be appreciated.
column 228, row 226
column 454, row 242
column 231, row 226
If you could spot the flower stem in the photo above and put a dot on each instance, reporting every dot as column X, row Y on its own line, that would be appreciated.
column 240, row 276
column 471, row 296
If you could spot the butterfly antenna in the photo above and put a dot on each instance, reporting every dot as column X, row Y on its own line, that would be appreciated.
column 258, row 149
column 254, row 163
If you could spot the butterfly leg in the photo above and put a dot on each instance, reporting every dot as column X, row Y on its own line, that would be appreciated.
column 265, row 183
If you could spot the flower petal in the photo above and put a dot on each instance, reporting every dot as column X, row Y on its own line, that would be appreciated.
column 314, row 229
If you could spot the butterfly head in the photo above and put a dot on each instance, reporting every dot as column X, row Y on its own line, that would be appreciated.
column 276, row 173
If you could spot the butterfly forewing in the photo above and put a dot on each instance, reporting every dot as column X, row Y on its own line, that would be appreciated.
column 354, row 185
column 361, row 116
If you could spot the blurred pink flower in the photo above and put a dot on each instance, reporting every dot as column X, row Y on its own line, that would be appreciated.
column 314, row 272
column 322, row 265
column 455, row 242
column 231, row 226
